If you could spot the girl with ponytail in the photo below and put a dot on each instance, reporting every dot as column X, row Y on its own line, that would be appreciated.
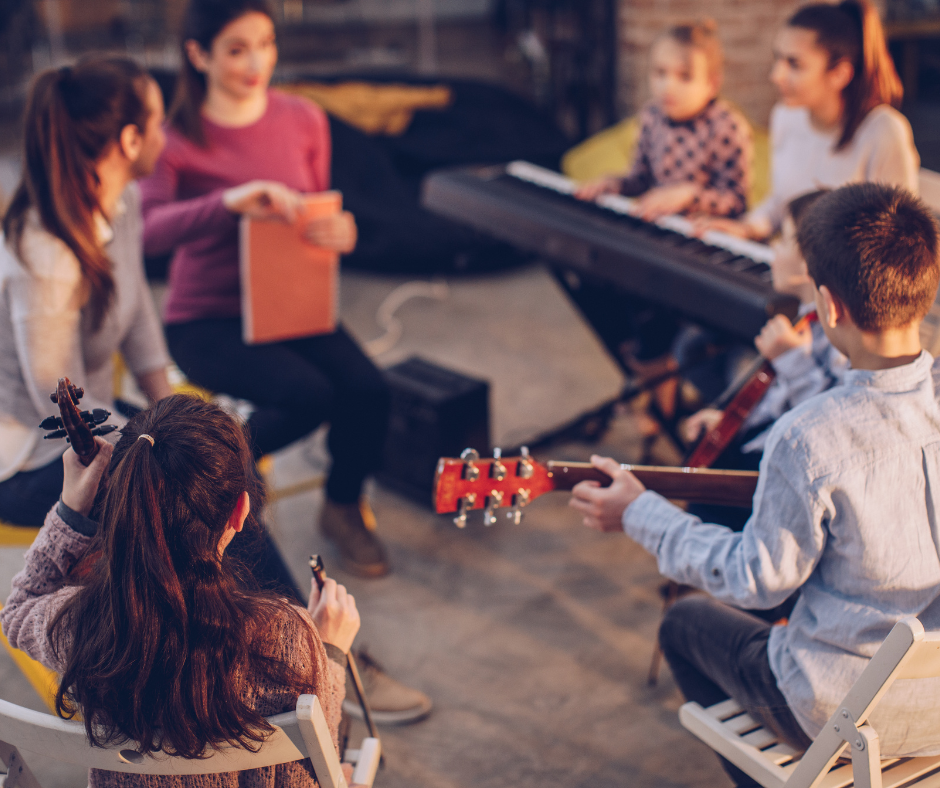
column 837, row 120
column 72, row 287
column 161, row 638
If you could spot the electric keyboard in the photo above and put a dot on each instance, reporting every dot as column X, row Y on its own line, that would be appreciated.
column 718, row 279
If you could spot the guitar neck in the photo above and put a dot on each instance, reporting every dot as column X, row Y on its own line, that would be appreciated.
column 695, row 485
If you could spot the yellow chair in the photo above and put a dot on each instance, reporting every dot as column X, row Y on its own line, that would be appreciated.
column 611, row 151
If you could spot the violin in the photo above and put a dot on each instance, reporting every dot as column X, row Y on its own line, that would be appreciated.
column 741, row 406
column 470, row 482
column 79, row 428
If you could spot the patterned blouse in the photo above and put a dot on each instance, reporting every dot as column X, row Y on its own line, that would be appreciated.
column 714, row 150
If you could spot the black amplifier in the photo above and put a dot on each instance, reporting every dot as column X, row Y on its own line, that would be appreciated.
column 436, row 412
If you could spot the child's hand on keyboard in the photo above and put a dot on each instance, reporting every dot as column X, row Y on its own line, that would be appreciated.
column 591, row 190
column 666, row 200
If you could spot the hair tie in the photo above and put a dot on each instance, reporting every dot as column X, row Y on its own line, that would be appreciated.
column 145, row 436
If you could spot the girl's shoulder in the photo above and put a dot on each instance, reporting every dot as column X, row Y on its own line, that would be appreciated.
column 884, row 121
column 724, row 112
column 41, row 255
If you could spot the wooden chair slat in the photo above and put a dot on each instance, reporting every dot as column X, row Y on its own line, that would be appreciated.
column 760, row 738
column 907, row 652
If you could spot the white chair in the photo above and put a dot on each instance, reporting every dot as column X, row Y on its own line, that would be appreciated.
column 907, row 653
column 302, row 733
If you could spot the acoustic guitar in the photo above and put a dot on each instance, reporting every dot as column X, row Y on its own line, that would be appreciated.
column 471, row 482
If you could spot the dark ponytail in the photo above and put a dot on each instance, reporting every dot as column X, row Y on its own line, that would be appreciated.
column 163, row 641
column 202, row 22
column 73, row 115
column 852, row 31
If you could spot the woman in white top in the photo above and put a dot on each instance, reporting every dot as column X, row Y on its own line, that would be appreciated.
column 836, row 121
column 72, row 285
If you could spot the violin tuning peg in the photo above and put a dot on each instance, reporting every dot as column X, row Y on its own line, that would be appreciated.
column 51, row 423
column 107, row 428
column 55, row 435
column 100, row 415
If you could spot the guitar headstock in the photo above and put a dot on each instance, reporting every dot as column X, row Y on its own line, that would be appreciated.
column 472, row 482
column 78, row 427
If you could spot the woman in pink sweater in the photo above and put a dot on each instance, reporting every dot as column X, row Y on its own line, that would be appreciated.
column 236, row 148
column 158, row 636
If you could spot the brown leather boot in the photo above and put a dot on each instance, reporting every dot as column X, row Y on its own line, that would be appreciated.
column 360, row 551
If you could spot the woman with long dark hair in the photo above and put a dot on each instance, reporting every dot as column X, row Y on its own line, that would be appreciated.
column 72, row 286
column 236, row 148
column 837, row 120
column 160, row 638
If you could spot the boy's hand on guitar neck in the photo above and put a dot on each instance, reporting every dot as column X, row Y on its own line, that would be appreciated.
column 603, row 507
column 694, row 427
column 778, row 336
column 81, row 483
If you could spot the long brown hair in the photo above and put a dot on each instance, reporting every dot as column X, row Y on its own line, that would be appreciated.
column 852, row 31
column 202, row 22
column 73, row 115
column 163, row 637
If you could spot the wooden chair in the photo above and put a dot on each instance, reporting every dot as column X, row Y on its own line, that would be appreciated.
column 907, row 653
column 302, row 733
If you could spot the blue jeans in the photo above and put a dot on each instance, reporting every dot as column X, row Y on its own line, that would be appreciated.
column 718, row 652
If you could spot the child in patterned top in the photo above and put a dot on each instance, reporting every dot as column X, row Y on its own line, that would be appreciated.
column 694, row 150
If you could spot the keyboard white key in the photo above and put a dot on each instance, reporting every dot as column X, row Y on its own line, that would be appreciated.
column 548, row 179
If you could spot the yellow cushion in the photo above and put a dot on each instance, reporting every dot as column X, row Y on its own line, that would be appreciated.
column 611, row 151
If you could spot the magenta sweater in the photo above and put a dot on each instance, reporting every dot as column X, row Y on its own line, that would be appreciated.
column 182, row 200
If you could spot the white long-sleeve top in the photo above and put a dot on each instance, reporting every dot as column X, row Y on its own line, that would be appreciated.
column 45, row 332
column 804, row 159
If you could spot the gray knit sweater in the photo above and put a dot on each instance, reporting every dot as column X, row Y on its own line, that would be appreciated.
column 35, row 601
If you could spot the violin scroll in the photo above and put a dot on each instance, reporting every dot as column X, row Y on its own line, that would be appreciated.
column 78, row 427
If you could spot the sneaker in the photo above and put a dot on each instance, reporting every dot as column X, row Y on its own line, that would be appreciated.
column 360, row 551
column 390, row 701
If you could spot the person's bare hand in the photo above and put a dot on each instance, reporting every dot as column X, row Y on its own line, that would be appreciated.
column 334, row 612
column 80, row 485
column 665, row 200
column 700, row 423
column 778, row 336
column 591, row 190
column 337, row 232
column 603, row 507
column 739, row 229
column 263, row 200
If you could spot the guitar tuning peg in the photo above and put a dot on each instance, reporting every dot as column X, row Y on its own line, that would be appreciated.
column 470, row 471
column 497, row 469
column 493, row 501
column 520, row 499
column 463, row 506
column 525, row 470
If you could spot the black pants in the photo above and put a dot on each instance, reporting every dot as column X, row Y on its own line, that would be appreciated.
column 717, row 652
column 295, row 386
column 27, row 497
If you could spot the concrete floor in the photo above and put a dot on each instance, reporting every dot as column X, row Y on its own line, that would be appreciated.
column 532, row 640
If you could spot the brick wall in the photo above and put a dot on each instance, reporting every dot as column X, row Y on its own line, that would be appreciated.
column 746, row 28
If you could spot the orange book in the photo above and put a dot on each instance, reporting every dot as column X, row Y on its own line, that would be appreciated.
column 290, row 288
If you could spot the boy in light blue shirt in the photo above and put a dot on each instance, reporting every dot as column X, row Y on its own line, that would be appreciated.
column 845, row 508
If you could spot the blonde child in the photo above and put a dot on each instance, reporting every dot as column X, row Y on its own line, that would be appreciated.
column 694, row 150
